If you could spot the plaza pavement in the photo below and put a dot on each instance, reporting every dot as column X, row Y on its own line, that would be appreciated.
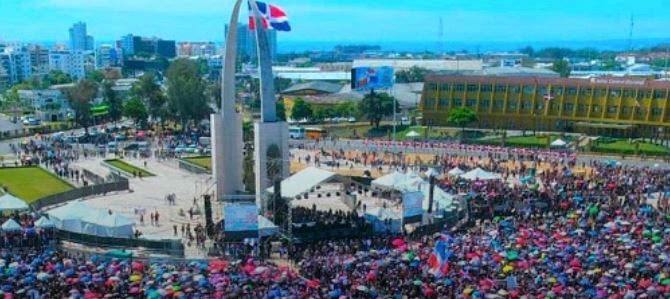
column 149, row 193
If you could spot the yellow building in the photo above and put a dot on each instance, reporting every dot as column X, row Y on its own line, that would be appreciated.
column 623, row 107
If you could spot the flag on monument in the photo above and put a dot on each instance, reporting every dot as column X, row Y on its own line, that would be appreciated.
column 273, row 17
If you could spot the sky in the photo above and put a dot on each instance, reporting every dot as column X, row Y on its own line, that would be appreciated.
column 345, row 20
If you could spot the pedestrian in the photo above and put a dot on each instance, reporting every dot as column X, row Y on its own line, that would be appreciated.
column 157, row 215
column 174, row 228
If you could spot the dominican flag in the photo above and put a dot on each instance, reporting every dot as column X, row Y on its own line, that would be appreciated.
column 272, row 17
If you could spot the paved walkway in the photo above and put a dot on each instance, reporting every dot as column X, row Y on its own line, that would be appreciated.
column 149, row 194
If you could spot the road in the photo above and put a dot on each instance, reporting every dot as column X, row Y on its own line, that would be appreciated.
column 359, row 145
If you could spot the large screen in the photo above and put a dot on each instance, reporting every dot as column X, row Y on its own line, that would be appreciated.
column 240, row 217
column 371, row 78
column 412, row 206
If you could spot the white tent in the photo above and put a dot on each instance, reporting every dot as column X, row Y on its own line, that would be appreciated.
column 431, row 172
column 101, row 223
column 44, row 222
column 10, row 202
column 390, row 180
column 11, row 226
column 384, row 220
column 68, row 217
column 480, row 174
column 412, row 134
column 303, row 181
column 558, row 143
column 266, row 227
column 455, row 171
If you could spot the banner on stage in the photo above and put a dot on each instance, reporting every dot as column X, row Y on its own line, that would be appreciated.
column 412, row 204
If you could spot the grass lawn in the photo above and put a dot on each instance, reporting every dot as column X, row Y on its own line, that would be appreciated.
column 128, row 168
column 204, row 162
column 31, row 183
column 624, row 147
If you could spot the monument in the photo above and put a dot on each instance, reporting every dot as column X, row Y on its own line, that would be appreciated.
column 271, row 135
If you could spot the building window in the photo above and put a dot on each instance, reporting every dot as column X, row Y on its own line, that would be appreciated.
column 445, row 87
column 484, row 104
column 525, row 105
column 640, row 94
column 470, row 103
column 511, row 105
column 459, row 87
column 458, row 102
column 486, row 88
column 640, row 111
column 659, row 94
column 625, row 110
column 552, row 107
column 611, row 109
column 501, row 88
column 473, row 87
column 571, row 91
column 595, row 109
column 528, row 89
column 615, row 93
column 581, row 108
column 498, row 104
column 444, row 102
column 568, row 107
column 627, row 93
column 656, row 111
column 648, row 94
column 542, row 90
column 514, row 89
column 558, row 90
column 431, row 87
column 600, row 92
column 585, row 91
column 539, row 106
column 430, row 103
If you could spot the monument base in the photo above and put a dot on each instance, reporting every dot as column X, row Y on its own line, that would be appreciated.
column 271, row 158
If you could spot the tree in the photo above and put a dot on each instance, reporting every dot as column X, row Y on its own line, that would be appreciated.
column 187, row 91
column 136, row 110
column 113, row 101
column 562, row 67
column 57, row 77
column 215, row 94
column 281, row 109
column 376, row 106
column 461, row 117
column 81, row 96
column 301, row 110
column 150, row 92
column 528, row 50
column 414, row 74
column 96, row 76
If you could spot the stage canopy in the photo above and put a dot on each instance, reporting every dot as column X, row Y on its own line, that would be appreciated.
column 480, row 174
column 303, row 181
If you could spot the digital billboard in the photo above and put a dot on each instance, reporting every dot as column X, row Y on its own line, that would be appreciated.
column 412, row 206
column 241, row 220
column 371, row 78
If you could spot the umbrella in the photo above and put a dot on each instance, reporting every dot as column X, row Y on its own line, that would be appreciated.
column 44, row 222
column 412, row 134
column 11, row 226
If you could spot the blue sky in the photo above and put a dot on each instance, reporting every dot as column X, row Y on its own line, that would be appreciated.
column 345, row 20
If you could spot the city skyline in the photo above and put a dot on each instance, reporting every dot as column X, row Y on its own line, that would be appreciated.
column 374, row 21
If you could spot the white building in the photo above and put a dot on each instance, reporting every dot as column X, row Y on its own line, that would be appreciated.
column 107, row 56
column 69, row 62
column 429, row 64
column 49, row 104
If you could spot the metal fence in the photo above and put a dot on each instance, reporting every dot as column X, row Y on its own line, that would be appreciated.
column 188, row 166
column 81, row 192
column 167, row 247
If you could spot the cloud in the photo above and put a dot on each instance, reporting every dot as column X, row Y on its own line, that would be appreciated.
column 200, row 7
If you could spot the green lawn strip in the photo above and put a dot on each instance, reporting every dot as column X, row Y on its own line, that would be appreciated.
column 32, row 183
column 125, row 167
column 624, row 147
column 202, row 161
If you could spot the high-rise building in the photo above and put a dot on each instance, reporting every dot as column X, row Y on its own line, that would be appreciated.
column 79, row 39
column 39, row 59
column 16, row 64
column 246, row 42
column 69, row 62
column 196, row 49
column 107, row 56
column 134, row 45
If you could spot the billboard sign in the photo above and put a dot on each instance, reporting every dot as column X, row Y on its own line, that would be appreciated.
column 241, row 219
column 371, row 78
column 412, row 206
